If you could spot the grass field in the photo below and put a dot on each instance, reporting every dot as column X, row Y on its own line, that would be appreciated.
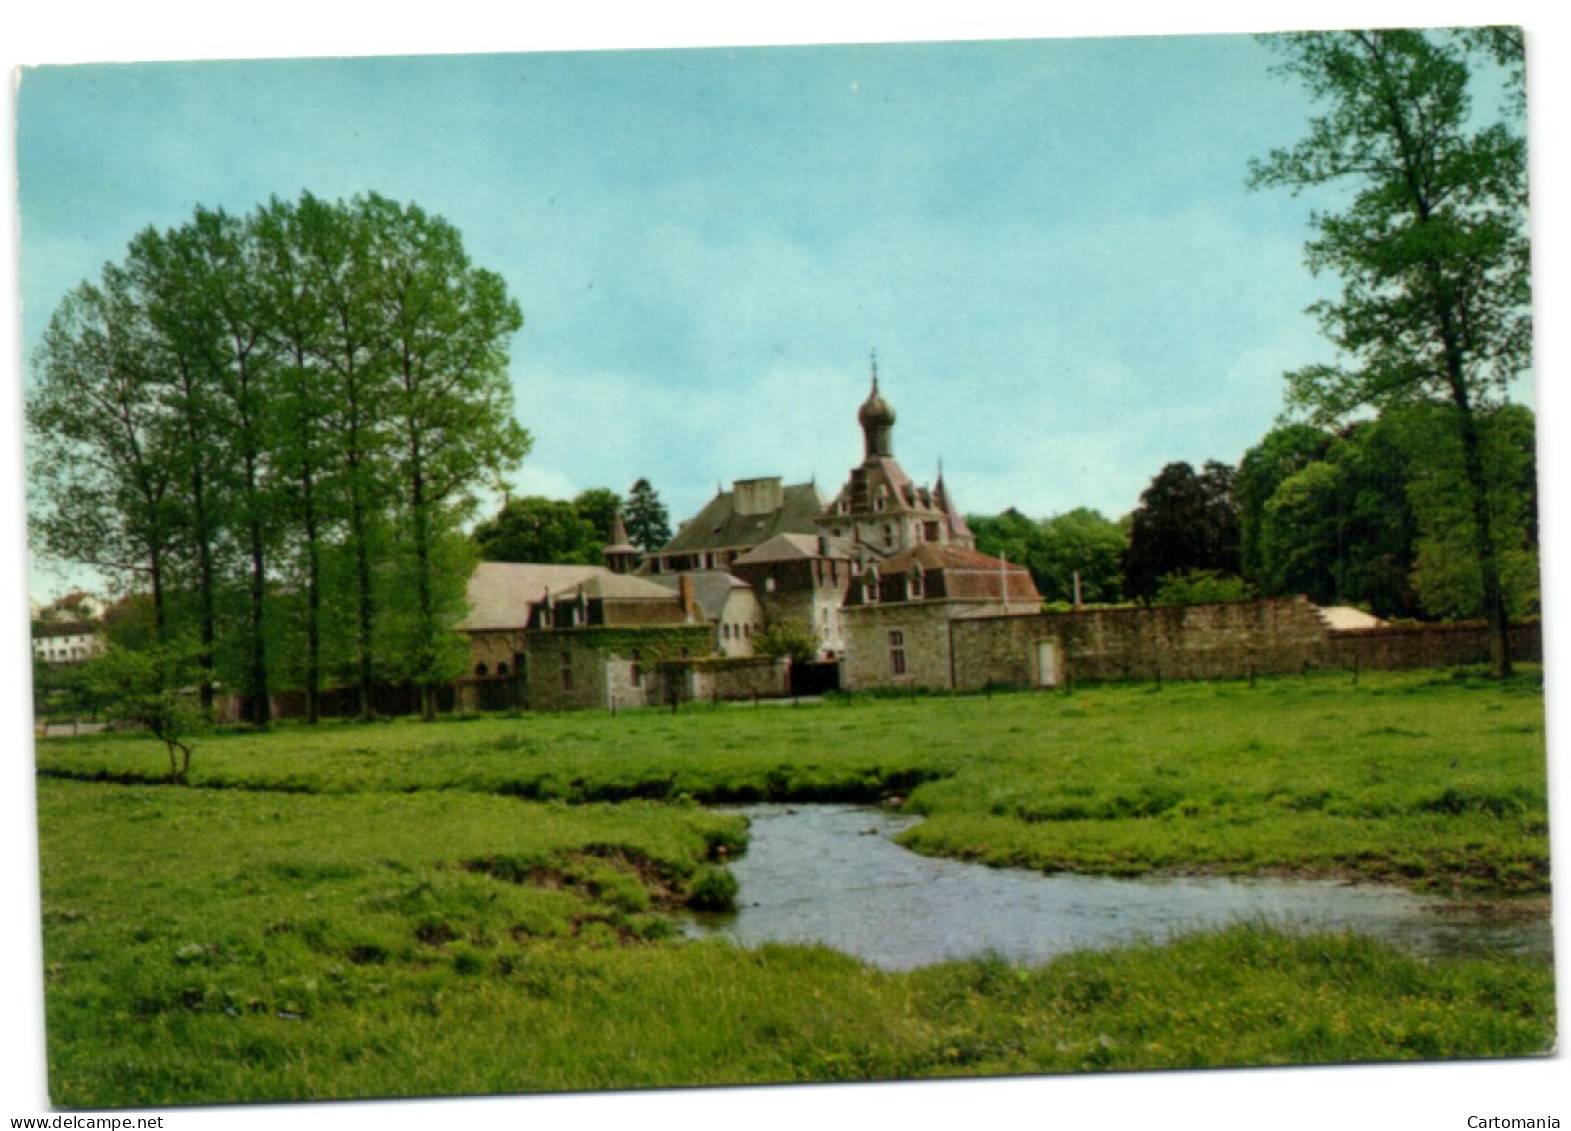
column 479, row 905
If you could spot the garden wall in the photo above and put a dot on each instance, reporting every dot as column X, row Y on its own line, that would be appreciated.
column 1221, row 641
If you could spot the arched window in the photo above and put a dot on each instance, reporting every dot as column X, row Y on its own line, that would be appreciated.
column 482, row 670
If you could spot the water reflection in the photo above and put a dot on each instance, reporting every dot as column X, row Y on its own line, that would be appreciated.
column 831, row 874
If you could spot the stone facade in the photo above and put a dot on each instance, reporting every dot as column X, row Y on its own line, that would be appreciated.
column 905, row 644
column 570, row 670
column 801, row 579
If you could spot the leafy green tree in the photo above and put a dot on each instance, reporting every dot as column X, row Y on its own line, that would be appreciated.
column 648, row 522
column 537, row 529
column 1010, row 535
column 1431, row 248
column 101, row 471
column 788, row 639
column 278, row 426
column 1285, row 451
column 185, row 337
column 1443, row 575
column 307, row 462
column 1300, row 535
column 1083, row 542
column 448, row 325
column 598, row 506
column 145, row 688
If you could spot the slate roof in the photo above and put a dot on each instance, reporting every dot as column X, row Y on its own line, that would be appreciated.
column 711, row 588
column 718, row 526
column 792, row 548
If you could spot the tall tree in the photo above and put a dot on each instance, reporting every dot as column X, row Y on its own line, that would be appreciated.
column 448, row 327
column 242, row 379
column 305, row 450
column 1432, row 248
column 338, row 262
column 648, row 522
column 101, row 475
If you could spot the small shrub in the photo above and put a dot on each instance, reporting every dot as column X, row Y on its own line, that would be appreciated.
column 712, row 889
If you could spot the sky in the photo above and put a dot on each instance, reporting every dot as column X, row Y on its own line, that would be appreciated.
column 1048, row 242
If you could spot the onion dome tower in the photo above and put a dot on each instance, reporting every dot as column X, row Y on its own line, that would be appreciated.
column 878, row 423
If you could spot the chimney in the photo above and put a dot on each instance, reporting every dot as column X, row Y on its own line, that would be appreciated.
column 685, row 594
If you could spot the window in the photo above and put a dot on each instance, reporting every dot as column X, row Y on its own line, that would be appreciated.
column 897, row 652
column 567, row 671
column 636, row 676
column 481, row 670
column 501, row 669
column 914, row 586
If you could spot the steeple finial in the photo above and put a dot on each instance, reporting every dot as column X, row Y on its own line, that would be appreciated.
column 873, row 355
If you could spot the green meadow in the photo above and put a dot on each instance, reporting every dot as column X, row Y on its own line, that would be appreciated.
column 484, row 905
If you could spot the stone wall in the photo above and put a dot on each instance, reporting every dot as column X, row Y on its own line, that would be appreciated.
column 1180, row 642
column 925, row 635
column 753, row 677
column 1221, row 641
column 1431, row 645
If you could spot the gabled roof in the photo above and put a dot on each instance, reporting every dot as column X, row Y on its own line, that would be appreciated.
column 614, row 587
column 500, row 593
column 719, row 526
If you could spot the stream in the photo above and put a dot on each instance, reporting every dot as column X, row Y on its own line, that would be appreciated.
column 832, row 874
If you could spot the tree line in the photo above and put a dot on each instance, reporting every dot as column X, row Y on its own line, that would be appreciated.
column 534, row 528
column 1374, row 514
column 275, row 427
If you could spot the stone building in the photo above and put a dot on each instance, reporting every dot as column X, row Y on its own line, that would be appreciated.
column 557, row 637
column 900, row 613
column 802, row 579
column 726, row 602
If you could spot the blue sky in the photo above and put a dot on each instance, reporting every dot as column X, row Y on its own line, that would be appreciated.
column 1049, row 242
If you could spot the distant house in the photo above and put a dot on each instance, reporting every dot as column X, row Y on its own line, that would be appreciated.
column 66, row 642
